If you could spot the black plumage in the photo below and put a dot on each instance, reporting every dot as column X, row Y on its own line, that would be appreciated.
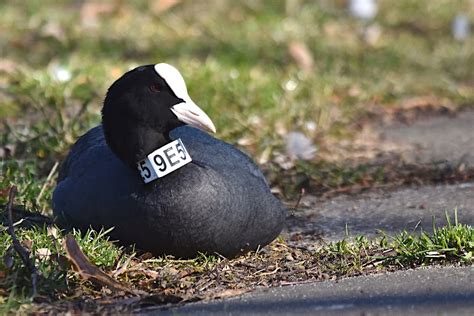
column 220, row 202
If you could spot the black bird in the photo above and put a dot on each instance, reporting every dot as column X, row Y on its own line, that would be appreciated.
column 216, row 201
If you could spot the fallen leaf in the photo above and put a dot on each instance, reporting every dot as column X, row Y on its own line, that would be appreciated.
column 43, row 253
column 146, row 256
column 283, row 161
column 230, row 293
column 27, row 243
column 246, row 141
column 7, row 65
column 265, row 156
column 123, row 268
column 372, row 34
column 160, row 6
column 302, row 56
column 55, row 30
column 91, row 12
column 89, row 271
column 52, row 231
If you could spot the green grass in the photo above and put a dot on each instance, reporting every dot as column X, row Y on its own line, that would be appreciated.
column 208, row 275
column 236, row 61
column 45, row 245
column 452, row 241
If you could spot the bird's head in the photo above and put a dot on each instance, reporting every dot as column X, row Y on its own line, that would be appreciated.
column 143, row 106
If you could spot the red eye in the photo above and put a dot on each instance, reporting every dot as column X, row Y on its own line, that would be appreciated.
column 155, row 88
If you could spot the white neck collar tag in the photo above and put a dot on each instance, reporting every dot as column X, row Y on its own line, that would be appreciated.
column 163, row 161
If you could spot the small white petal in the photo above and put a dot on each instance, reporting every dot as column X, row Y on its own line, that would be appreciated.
column 61, row 73
column 363, row 9
column 234, row 74
column 311, row 126
column 290, row 85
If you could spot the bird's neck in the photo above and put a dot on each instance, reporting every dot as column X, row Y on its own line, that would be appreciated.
column 134, row 143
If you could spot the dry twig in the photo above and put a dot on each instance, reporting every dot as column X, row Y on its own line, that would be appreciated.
column 48, row 179
column 300, row 196
column 22, row 252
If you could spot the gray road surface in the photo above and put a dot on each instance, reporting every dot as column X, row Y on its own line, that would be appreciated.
column 390, row 211
column 431, row 291
column 436, row 139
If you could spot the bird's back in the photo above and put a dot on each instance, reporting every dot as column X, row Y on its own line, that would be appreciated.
column 218, row 203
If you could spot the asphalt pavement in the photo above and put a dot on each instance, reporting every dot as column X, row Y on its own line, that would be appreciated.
column 409, row 208
column 425, row 291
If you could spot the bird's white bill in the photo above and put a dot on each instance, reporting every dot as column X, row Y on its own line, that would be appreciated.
column 188, row 112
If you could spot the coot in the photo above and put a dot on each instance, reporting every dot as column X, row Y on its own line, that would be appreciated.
column 151, row 172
